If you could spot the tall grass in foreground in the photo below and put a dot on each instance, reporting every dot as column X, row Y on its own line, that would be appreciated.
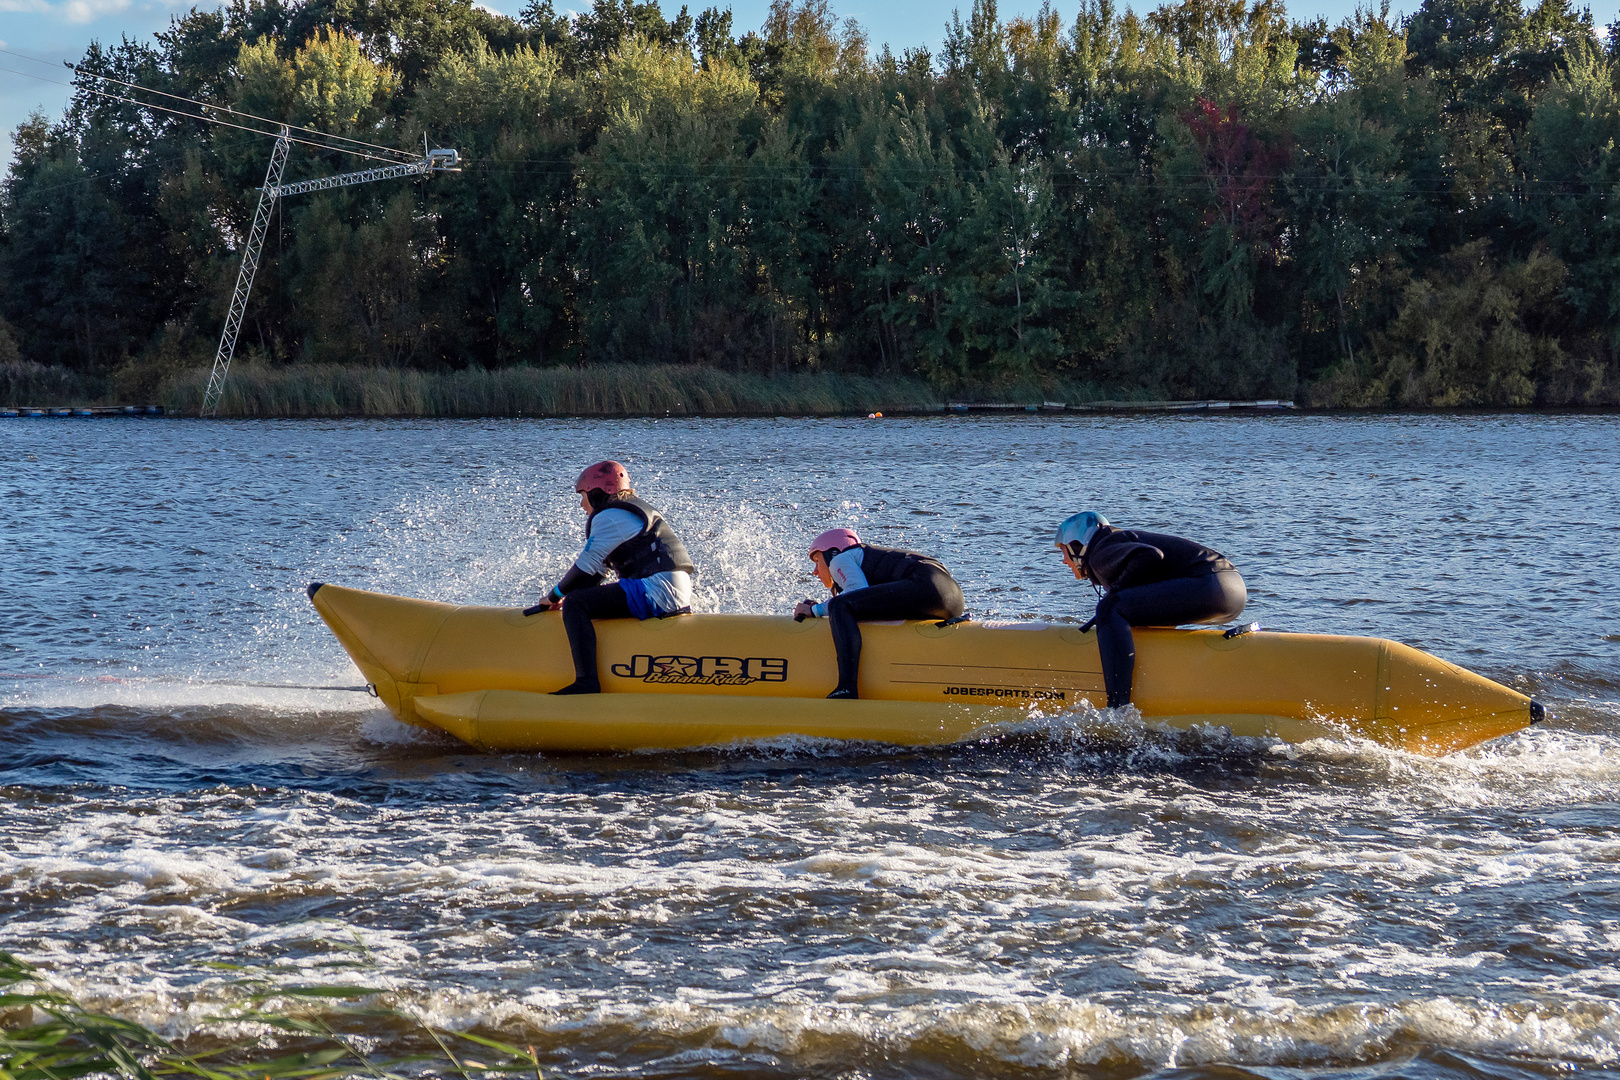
column 615, row 390
column 46, row 1034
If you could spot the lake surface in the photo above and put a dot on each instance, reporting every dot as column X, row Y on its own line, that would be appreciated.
column 1099, row 899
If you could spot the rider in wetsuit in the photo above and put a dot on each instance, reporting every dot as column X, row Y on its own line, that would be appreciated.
column 625, row 535
column 1152, row 579
column 871, row 582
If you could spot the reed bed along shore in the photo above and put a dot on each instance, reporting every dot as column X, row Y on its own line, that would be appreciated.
column 617, row 390
column 25, row 383
column 336, row 390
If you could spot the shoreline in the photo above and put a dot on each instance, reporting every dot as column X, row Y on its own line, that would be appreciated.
column 608, row 392
column 623, row 390
column 950, row 408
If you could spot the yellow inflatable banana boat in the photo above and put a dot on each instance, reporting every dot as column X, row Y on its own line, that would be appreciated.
column 484, row 675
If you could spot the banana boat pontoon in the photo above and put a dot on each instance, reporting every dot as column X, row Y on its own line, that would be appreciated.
column 484, row 674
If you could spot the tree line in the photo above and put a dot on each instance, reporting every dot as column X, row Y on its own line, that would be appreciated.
column 1207, row 199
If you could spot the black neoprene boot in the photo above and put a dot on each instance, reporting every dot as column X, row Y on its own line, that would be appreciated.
column 581, row 686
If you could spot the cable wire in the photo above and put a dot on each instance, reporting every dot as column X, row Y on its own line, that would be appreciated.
column 407, row 155
column 214, row 119
column 78, row 70
column 91, row 177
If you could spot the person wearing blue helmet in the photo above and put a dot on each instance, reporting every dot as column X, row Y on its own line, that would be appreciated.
column 1149, row 579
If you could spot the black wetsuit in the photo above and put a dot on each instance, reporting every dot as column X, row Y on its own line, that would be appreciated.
column 1153, row 580
column 653, row 550
column 899, row 585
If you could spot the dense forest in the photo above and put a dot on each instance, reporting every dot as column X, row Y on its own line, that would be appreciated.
column 1206, row 199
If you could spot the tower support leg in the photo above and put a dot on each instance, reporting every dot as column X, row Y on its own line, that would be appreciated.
column 244, row 279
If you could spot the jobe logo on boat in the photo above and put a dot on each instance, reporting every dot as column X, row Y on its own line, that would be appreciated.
column 707, row 670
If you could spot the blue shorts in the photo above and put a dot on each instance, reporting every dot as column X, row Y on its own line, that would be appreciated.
column 635, row 593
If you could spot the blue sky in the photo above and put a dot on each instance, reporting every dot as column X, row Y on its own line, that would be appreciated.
column 57, row 30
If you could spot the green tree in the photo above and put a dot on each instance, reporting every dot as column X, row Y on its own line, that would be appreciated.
column 73, row 288
column 1473, row 333
column 1349, row 201
column 660, row 208
column 1573, row 166
column 356, row 290
column 504, row 290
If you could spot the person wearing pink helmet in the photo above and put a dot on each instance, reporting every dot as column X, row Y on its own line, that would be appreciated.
column 625, row 535
column 871, row 582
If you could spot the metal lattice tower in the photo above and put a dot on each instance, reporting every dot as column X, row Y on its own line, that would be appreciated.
column 433, row 161
column 244, row 280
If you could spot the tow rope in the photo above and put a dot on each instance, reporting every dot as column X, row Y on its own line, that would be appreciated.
column 368, row 688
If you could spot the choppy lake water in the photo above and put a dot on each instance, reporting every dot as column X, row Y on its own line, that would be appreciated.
column 1099, row 899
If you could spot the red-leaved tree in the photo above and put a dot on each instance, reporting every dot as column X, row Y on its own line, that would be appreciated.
column 1241, row 171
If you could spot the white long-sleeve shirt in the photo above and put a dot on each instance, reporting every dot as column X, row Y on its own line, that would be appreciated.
column 668, row 590
column 846, row 573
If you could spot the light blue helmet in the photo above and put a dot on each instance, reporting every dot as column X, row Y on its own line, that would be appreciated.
column 1079, row 529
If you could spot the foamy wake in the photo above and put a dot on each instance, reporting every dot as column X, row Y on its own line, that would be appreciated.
column 1050, row 1032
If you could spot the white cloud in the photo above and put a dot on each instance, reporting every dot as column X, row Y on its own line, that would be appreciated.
column 83, row 11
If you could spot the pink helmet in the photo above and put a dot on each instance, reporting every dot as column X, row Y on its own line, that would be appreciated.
column 835, row 540
column 607, row 475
